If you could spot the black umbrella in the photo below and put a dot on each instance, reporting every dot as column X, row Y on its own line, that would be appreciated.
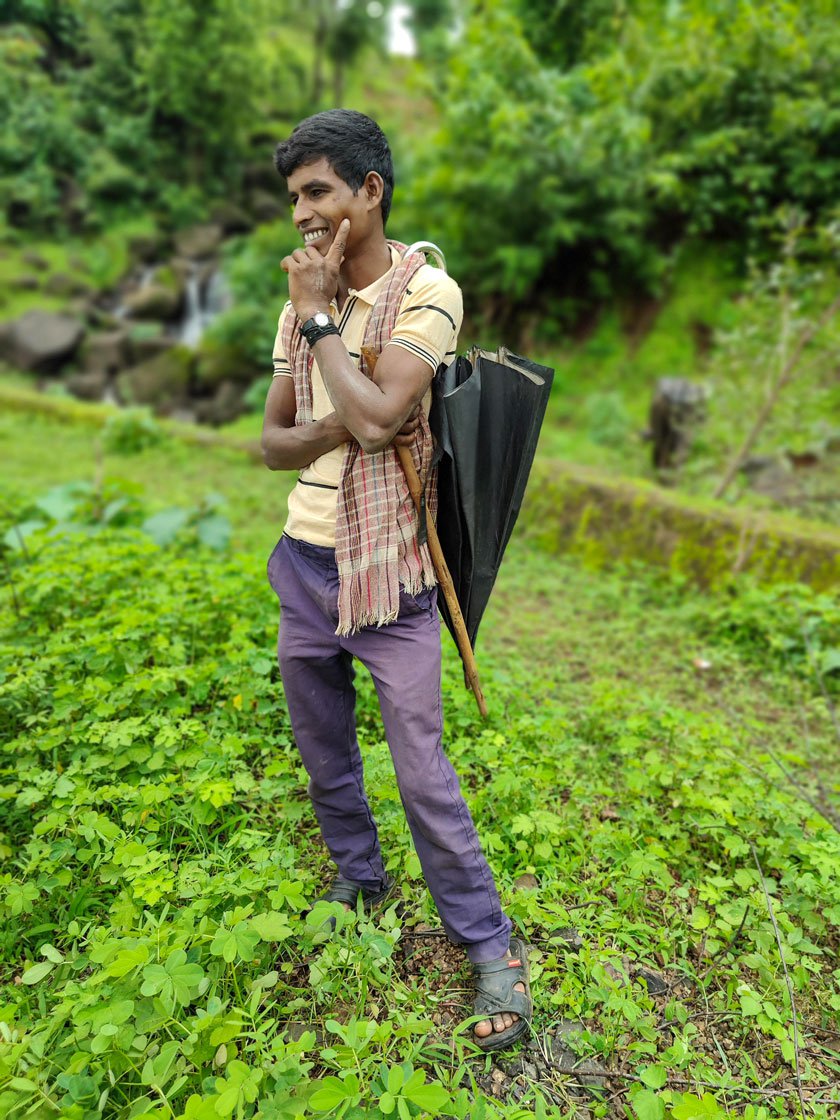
column 486, row 417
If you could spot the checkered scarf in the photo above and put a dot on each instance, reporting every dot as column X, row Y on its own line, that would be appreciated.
column 376, row 548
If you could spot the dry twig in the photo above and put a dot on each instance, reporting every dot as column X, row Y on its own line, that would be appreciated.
column 797, row 1073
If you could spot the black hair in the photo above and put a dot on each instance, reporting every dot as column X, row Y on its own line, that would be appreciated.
column 352, row 144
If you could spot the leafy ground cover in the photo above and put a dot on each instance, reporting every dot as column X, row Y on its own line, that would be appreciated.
column 656, row 788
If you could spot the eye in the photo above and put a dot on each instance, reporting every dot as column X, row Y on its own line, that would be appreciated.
column 316, row 192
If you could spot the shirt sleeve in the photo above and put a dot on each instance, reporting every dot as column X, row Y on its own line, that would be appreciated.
column 430, row 317
column 281, row 362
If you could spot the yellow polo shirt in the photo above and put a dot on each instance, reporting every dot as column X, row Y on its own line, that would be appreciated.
column 427, row 325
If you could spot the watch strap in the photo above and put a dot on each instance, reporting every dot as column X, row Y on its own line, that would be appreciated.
column 313, row 331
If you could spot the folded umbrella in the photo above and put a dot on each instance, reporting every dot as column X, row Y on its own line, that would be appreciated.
column 486, row 415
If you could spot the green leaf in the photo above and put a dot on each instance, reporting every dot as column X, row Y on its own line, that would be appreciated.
column 164, row 527
column 271, row 926
column 15, row 538
column 37, row 972
column 214, row 532
column 52, row 954
column 431, row 1098
column 654, row 1076
column 750, row 1005
column 647, row 1106
column 331, row 1093
column 22, row 1085
column 396, row 1079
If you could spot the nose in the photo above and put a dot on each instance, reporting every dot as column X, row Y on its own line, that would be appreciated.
column 302, row 212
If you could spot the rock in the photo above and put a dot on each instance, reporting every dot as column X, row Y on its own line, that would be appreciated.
column 146, row 247
column 98, row 317
column 261, row 174
column 569, row 939
column 217, row 362
column 42, row 341
column 87, row 386
column 231, row 218
column 198, row 242
column 162, row 299
column 161, row 382
column 225, row 406
column 264, row 206
column 35, row 260
column 655, row 982
column 26, row 282
column 60, row 284
column 586, row 1071
column 142, row 347
column 106, row 352
column 526, row 882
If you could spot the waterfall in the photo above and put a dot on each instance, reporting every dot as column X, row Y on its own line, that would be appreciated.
column 203, row 302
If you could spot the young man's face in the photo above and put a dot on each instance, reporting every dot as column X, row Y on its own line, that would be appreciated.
column 320, row 200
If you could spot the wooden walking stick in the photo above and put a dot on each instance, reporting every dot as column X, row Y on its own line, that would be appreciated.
column 415, row 488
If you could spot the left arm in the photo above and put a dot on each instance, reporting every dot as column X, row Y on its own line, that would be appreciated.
column 374, row 411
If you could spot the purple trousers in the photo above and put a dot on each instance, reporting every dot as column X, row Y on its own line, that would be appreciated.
column 403, row 658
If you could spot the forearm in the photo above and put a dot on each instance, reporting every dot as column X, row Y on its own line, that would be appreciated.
column 298, row 446
column 360, row 404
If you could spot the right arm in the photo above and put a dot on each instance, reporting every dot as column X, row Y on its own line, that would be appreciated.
column 287, row 446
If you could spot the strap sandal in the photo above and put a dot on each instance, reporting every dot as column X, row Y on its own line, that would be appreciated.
column 347, row 892
column 495, row 994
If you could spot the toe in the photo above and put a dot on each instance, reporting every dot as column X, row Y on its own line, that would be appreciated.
column 484, row 1028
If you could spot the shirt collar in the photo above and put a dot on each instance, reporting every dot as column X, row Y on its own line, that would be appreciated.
column 371, row 292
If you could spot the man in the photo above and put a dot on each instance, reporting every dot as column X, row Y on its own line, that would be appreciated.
column 352, row 579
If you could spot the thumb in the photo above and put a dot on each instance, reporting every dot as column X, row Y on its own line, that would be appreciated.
column 335, row 252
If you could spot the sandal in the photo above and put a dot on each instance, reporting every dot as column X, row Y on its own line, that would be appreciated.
column 495, row 994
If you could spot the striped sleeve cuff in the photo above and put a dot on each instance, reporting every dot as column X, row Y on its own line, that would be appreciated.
column 420, row 351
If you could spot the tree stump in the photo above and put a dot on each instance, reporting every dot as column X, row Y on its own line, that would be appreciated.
column 677, row 408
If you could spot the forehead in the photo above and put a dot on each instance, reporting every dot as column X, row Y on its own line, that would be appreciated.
column 319, row 171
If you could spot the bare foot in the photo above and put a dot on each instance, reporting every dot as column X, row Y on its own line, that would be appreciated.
column 501, row 1022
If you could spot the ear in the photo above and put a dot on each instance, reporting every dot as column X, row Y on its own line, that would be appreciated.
column 373, row 189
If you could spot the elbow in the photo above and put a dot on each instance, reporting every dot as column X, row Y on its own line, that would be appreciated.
column 268, row 457
column 374, row 439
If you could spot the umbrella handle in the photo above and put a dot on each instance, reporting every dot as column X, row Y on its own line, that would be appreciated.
column 445, row 580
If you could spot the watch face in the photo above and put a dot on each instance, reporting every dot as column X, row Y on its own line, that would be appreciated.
column 322, row 319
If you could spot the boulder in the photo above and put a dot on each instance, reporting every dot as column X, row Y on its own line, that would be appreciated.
column 261, row 175
column 143, row 346
column 154, row 301
column 42, row 341
column 105, row 352
column 35, row 260
column 231, row 218
column 225, row 406
column 60, row 284
column 26, row 282
column 162, row 299
column 161, row 382
column 87, row 386
column 199, row 241
column 146, row 247
column 217, row 362
column 265, row 207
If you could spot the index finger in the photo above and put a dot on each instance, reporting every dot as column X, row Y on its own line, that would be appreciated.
column 336, row 250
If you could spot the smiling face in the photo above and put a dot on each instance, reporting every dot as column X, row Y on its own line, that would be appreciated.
column 320, row 199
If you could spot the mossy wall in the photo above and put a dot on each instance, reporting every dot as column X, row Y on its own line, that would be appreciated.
column 607, row 520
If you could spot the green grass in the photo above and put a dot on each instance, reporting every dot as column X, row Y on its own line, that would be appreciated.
column 645, row 742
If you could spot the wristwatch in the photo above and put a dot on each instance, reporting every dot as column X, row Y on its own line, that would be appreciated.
column 319, row 326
